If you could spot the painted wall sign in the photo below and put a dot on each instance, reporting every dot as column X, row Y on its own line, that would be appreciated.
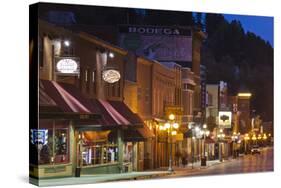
column 157, row 43
column 225, row 119
column 67, row 65
column 111, row 75
column 39, row 136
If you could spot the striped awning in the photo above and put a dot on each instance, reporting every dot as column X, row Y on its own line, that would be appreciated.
column 70, row 100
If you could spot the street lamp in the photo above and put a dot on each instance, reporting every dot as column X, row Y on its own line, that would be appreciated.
column 235, row 138
column 246, row 138
column 195, row 129
column 171, row 127
column 220, row 136
column 205, row 132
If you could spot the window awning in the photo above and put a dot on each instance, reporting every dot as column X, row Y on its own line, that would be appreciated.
column 69, row 99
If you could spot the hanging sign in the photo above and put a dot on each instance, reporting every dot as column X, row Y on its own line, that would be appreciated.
column 225, row 119
column 67, row 65
column 39, row 136
column 111, row 76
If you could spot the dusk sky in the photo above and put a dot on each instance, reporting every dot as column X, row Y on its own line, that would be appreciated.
column 260, row 25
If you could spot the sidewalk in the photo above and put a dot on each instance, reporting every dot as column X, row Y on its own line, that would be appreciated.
column 89, row 179
column 197, row 165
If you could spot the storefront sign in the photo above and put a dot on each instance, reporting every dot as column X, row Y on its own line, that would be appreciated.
column 39, row 136
column 225, row 119
column 67, row 65
column 111, row 75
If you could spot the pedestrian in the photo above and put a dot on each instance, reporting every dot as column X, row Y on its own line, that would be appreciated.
column 184, row 159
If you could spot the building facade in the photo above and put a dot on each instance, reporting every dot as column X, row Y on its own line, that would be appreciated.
column 86, row 126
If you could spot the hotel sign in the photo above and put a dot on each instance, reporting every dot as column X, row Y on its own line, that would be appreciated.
column 67, row 65
column 225, row 119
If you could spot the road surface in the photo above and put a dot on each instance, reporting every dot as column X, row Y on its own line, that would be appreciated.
column 244, row 164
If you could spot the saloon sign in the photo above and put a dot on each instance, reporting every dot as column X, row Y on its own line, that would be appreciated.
column 67, row 65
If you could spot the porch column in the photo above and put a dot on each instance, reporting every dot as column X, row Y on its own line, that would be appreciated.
column 120, row 145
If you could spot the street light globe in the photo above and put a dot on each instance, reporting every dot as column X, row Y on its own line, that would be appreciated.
column 221, row 130
column 171, row 117
column 205, row 126
column 207, row 133
column 176, row 125
column 167, row 125
column 197, row 129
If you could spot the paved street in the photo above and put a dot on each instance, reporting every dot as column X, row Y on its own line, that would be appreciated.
column 243, row 164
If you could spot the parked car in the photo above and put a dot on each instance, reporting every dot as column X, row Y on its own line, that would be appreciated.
column 255, row 149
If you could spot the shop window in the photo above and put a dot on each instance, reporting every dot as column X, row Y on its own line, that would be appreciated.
column 94, row 81
column 97, row 149
column 128, row 152
column 117, row 89
column 56, row 150
column 99, row 153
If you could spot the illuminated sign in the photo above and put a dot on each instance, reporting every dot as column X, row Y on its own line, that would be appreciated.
column 111, row 76
column 244, row 94
column 39, row 136
column 67, row 65
column 225, row 119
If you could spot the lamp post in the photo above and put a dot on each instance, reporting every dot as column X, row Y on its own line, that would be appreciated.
column 205, row 132
column 220, row 136
column 246, row 142
column 171, row 126
column 234, row 141
column 195, row 129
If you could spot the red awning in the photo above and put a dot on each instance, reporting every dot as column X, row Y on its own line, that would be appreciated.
column 125, row 111
column 68, row 98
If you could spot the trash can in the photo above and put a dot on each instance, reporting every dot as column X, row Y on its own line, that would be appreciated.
column 203, row 161
column 77, row 172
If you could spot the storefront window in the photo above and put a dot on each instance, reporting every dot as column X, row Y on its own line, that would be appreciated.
column 56, row 150
column 61, row 150
column 128, row 152
column 97, row 148
column 99, row 153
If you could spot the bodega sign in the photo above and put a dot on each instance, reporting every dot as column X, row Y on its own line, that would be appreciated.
column 67, row 65
column 155, row 30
